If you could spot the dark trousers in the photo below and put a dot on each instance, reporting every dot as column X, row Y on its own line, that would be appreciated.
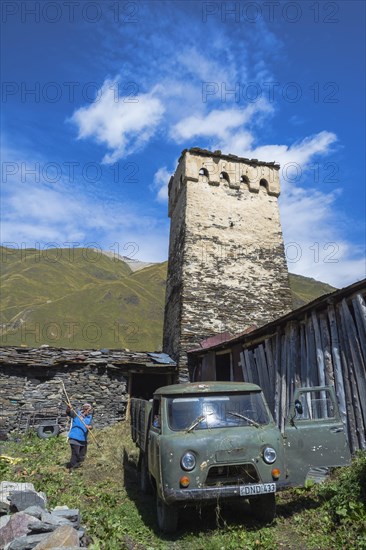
column 78, row 453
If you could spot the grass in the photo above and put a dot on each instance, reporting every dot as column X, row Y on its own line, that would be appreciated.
column 118, row 517
column 80, row 299
column 84, row 299
column 306, row 289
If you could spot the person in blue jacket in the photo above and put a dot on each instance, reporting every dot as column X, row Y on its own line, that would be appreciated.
column 78, row 434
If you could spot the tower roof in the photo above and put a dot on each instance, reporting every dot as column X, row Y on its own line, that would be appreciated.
column 218, row 153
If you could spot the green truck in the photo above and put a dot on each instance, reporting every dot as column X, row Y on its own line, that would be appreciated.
column 209, row 441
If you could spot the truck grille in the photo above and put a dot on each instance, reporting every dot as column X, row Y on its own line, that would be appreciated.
column 231, row 475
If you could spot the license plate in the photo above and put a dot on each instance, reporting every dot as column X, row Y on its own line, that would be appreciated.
column 258, row 489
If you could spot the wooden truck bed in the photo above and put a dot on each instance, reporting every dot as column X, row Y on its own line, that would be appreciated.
column 140, row 413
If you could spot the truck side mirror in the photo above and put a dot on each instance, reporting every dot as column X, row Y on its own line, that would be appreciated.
column 298, row 407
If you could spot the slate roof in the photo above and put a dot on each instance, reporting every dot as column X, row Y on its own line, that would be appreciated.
column 47, row 356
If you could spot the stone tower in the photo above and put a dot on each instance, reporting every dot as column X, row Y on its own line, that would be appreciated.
column 227, row 267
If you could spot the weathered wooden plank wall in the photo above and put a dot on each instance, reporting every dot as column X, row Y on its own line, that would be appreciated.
column 327, row 345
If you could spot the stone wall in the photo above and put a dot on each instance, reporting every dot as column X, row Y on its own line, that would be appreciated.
column 31, row 394
column 227, row 267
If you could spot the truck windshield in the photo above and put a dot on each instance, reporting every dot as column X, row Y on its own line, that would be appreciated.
column 216, row 411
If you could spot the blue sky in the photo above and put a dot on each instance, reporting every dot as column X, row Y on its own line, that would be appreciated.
column 100, row 98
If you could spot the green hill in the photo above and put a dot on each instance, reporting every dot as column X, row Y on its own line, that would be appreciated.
column 305, row 289
column 82, row 298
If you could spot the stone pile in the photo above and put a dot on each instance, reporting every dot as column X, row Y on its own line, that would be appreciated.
column 26, row 524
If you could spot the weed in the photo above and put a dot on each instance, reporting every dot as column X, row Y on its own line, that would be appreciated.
column 118, row 517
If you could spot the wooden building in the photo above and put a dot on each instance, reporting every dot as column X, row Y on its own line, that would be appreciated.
column 321, row 343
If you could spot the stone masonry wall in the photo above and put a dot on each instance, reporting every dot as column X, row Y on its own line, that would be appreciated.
column 227, row 254
column 174, row 285
column 30, row 393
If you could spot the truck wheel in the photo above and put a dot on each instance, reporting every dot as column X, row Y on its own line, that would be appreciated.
column 167, row 516
column 145, row 481
column 263, row 507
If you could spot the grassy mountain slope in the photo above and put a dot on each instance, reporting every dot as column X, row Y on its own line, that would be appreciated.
column 87, row 300
column 305, row 289
column 84, row 299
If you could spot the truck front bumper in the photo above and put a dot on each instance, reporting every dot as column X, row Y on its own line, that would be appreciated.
column 213, row 493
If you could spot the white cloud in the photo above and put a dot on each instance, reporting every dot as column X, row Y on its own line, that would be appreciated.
column 83, row 221
column 206, row 69
column 37, row 214
column 313, row 238
column 122, row 123
column 235, row 143
column 218, row 123
column 161, row 183
column 300, row 153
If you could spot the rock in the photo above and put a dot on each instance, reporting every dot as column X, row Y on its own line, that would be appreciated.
column 26, row 543
column 35, row 511
column 20, row 500
column 54, row 520
column 4, row 508
column 17, row 526
column 35, row 394
column 72, row 515
column 64, row 536
column 4, row 520
column 81, row 533
column 7, row 487
column 41, row 527
column 43, row 495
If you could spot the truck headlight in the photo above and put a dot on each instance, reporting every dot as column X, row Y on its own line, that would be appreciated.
column 188, row 461
column 269, row 455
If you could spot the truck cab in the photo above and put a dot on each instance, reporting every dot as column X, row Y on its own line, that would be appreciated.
column 218, row 440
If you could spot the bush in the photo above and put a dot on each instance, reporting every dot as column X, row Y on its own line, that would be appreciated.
column 345, row 504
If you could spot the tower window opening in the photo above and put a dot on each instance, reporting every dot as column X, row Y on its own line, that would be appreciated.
column 203, row 172
column 263, row 184
column 224, row 176
column 244, row 179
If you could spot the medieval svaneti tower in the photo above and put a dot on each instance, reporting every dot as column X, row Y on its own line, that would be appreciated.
column 227, row 268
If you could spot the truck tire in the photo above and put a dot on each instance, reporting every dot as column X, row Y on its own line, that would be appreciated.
column 48, row 430
column 167, row 516
column 145, row 481
column 263, row 507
